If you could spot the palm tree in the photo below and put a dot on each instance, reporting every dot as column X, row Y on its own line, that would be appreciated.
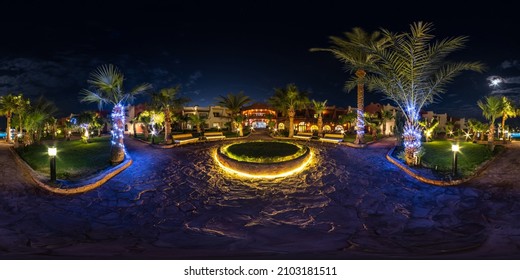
column 412, row 71
column 8, row 105
column 145, row 118
column 475, row 127
column 449, row 128
column 356, row 60
column 234, row 103
column 429, row 127
column 166, row 100
column 508, row 111
column 373, row 122
column 38, row 115
column 106, row 87
column 197, row 121
column 319, row 107
column 23, row 106
column 491, row 109
column 86, row 120
column 348, row 119
column 288, row 100
column 385, row 117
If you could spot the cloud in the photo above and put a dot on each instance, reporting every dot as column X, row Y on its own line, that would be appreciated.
column 510, row 63
column 512, row 80
column 506, row 91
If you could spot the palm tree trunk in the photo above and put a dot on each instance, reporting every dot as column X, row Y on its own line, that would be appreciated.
column 412, row 142
column 8, row 128
column 145, row 132
column 117, row 152
column 20, row 126
column 241, row 130
column 360, row 123
column 504, row 117
column 291, row 122
column 167, row 126
column 491, row 135
column 320, row 124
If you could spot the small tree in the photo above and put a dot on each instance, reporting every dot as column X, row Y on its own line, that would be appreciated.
column 234, row 103
column 166, row 100
column 508, row 111
column 319, row 107
column 106, row 87
column 198, row 121
column 492, row 109
column 288, row 100
column 411, row 71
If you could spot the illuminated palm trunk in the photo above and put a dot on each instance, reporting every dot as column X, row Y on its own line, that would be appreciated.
column 117, row 152
column 167, row 125
column 491, row 135
column 504, row 117
column 320, row 124
column 412, row 142
column 291, row 114
column 360, row 121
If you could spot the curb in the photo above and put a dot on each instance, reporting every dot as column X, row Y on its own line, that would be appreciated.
column 73, row 187
column 409, row 171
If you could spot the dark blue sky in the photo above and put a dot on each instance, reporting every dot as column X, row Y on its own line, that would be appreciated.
column 213, row 48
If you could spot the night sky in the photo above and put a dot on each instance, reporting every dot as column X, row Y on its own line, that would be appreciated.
column 213, row 48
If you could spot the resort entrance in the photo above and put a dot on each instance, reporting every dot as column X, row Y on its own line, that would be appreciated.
column 259, row 124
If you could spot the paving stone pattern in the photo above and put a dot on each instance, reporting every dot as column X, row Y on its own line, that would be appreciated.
column 350, row 204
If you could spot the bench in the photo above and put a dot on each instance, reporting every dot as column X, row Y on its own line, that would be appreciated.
column 330, row 137
column 184, row 138
column 214, row 136
column 304, row 135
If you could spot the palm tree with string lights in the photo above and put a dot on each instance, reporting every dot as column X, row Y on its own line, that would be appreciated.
column 106, row 88
column 319, row 107
column 234, row 103
column 356, row 60
column 492, row 109
column 288, row 100
column 412, row 70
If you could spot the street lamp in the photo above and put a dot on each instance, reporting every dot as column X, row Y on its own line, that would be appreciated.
column 455, row 148
column 52, row 151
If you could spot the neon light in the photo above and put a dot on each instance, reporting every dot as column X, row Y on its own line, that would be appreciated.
column 256, row 176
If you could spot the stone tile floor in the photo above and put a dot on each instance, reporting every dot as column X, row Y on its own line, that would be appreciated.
column 350, row 204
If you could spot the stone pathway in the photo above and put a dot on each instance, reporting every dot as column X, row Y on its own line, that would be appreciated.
column 175, row 203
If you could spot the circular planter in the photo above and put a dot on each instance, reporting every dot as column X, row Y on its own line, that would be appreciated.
column 249, row 168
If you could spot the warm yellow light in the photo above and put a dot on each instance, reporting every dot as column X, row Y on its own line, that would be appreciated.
column 264, row 176
column 52, row 151
column 455, row 147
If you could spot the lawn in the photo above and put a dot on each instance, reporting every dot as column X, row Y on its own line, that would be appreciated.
column 75, row 159
column 352, row 137
column 439, row 156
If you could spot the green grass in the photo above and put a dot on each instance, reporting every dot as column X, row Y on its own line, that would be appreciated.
column 75, row 159
column 263, row 151
column 440, row 157
column 352, row 137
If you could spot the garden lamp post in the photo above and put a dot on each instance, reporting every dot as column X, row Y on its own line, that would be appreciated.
column 455, row 148
column 52, row 151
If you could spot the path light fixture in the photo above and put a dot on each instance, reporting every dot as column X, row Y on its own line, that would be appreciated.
column 52, row 151
column 455, row 148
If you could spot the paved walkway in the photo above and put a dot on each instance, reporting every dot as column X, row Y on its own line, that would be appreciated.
column 13, row 178
column 350, row 203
